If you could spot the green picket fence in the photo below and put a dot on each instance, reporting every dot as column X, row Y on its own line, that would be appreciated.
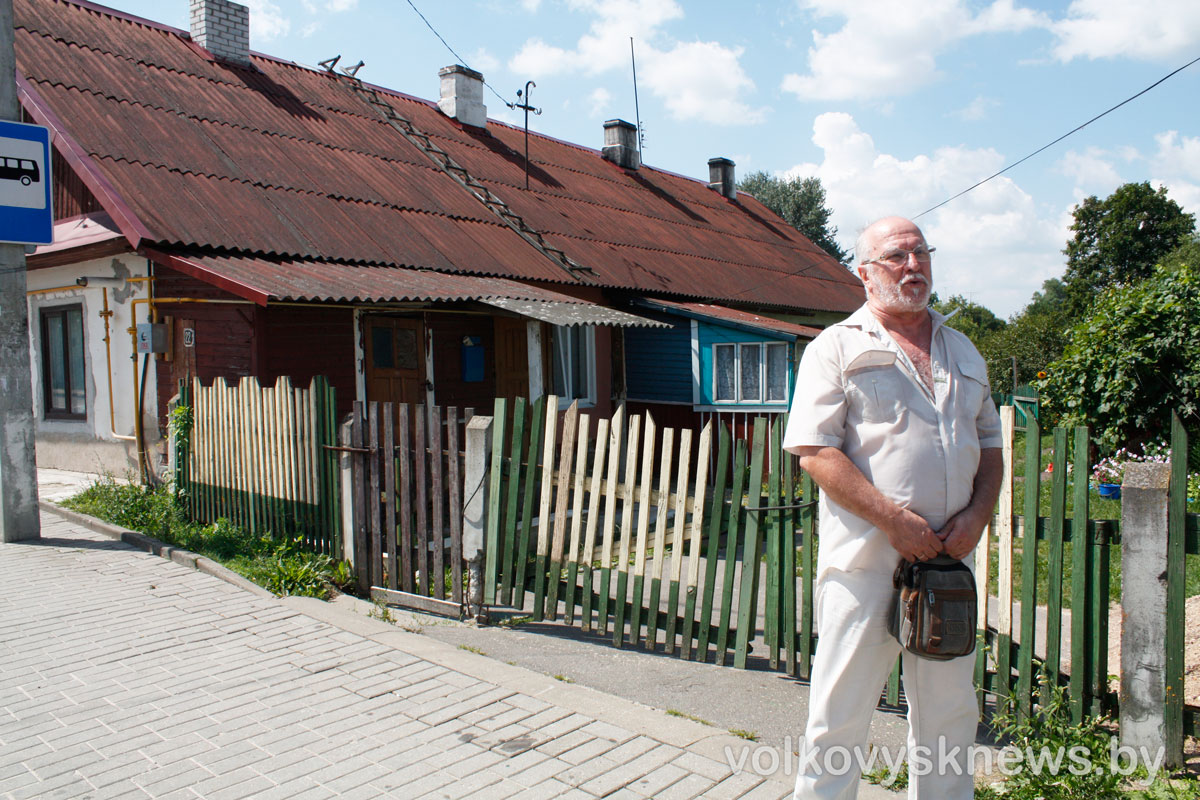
column 261, row 457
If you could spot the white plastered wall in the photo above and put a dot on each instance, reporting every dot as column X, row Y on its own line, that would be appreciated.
column 89, row 445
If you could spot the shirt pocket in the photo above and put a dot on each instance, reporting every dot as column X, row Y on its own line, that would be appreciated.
column 974, row 383
column 877, row 392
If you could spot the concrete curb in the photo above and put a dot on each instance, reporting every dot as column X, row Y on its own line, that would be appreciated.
column 149, row 544
column 352, row 614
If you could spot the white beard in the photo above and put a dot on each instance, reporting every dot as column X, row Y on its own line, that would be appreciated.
column 892, row 295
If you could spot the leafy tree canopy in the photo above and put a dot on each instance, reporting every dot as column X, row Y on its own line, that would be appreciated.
column 1119, row 240
column 976, row 321
column 1052, row 299
column 800, row 202
column 1132, row 360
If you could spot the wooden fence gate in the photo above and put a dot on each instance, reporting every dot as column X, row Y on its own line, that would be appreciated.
column 406, row 491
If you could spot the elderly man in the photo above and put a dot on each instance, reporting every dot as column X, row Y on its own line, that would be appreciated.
column 894, row 420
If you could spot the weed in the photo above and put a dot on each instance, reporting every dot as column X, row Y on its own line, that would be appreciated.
column 472, row 649
column 381, row 612
column 674, row 713
column 563, row 678
column 750, row 736
column 515, row 622
column 882, row 776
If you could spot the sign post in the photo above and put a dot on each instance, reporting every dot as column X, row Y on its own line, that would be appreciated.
column 26, row 217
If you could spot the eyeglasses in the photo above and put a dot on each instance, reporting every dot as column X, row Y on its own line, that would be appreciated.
column 898, row 258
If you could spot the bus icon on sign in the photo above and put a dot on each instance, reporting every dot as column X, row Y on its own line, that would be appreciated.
column 19, row 169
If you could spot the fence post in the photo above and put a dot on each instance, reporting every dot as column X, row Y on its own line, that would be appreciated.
column 1144, row 611
column 475, row 490
column 346, row 469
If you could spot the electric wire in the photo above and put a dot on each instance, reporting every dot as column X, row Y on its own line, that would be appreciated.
column 1059, row 139
column 454, row 53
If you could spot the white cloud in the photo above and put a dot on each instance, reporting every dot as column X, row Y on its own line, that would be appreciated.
column 695, row 80
column 338, row 6
column 309, row 29
column 267, row 21
column 1177, row 166
column 1092, row 171
column 993, row 243
column 531, row 5
column 889, row 48
column 975, row 110
column 1165, row 30
column 484, row 61
column 599, row 100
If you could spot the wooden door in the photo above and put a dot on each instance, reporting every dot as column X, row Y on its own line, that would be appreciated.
column 395, row 359
column 512, row 357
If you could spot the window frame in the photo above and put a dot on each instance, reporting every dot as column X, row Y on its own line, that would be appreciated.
column 763, row 347
column 588, row 333
column 63, row 311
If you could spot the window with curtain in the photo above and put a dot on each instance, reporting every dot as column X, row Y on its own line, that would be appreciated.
column 750, row 372
column 573, row 356
column 63, row 375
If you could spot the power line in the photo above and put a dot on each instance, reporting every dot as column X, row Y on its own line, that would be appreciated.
column 461, row 60
column 1059, row 139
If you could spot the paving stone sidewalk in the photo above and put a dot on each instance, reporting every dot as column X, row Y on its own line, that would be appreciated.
column 123, row 674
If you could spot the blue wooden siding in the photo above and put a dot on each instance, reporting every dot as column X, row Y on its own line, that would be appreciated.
column 658, row 361
column 710, row 334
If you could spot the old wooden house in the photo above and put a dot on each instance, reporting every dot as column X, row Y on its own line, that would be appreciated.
column 275, row 219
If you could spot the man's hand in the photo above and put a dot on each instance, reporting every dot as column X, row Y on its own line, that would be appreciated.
column 962, row 533
column 912, row 537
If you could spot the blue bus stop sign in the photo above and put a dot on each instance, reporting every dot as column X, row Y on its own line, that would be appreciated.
column 26, row 216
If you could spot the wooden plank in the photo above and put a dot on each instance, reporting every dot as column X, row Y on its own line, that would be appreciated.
column 628, row 488
column 808, row 569
column 653, row 610
column 456, row 507
column 287, row 435
column 421, row 484
column 1026, row 679
column 544, row 531
column 388, row 455
column 1176, row 593
column 376, row 526
column 1098, row 608
column 572, row 559
column 491, row 548
column 1004, row 557
column 649, row 440
column 789, row 562
column 561, row 507
column 438, row 498
column 892, row 693
column 533, row 454
column 695, row 538
column 616, row 433
column 682, row 487
column 732, row 535
column 593, row 521
column 1080, row 549
column 508, row 566
column 417, row 602
column 408, row 566
column 362, row 567
column 748, row 601
column 773, row 605
column 713, row 556
column 1054, row 536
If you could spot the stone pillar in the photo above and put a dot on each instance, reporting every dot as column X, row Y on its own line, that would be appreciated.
column 1144, row 613
column 475, row 490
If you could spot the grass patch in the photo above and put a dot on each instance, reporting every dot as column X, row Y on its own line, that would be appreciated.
column 684, row 715
column 275, row 562
column 750, row 736
column 472, row 649
column 883, row 776
column 515, row 622
column 563, row 678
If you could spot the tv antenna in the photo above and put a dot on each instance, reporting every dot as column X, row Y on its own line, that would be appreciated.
column 636, row 111
column 526, row 107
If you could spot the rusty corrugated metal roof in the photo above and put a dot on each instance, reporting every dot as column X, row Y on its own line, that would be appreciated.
column 736, row 316
column 285, row 164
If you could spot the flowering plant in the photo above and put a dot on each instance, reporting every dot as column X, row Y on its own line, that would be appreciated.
column 1112, row 468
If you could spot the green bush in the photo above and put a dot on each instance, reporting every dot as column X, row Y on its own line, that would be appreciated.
column 277, row 563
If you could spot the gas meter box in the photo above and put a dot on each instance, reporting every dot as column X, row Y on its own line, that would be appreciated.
column 151, row 337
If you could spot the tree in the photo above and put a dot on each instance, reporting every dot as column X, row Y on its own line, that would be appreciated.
column 976, row 321
column 1052, row 299
column 1120, row 239
column 1132, row 360
column 800, row 202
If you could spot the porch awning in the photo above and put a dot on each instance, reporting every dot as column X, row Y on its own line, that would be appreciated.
column 577, row 313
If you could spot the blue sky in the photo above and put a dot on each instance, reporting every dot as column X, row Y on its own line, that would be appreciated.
column 895, row 104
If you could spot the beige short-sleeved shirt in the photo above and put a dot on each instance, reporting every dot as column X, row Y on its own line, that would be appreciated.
column 858, row 391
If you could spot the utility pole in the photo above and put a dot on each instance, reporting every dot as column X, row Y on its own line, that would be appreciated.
column 19, row 518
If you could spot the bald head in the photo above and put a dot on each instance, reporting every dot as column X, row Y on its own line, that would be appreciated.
column 868, row 241
column 894, row 265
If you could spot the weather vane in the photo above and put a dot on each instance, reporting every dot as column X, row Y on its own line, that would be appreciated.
column 526, row 107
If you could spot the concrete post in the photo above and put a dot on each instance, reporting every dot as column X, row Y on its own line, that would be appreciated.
column 19, row 518
column 1144, row 614
column 347, row 479
column 478, row 456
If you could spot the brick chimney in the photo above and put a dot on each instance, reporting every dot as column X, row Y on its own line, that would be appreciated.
column 222, row 28
column 621, row 144
column 462, row 95
column 720, row 177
